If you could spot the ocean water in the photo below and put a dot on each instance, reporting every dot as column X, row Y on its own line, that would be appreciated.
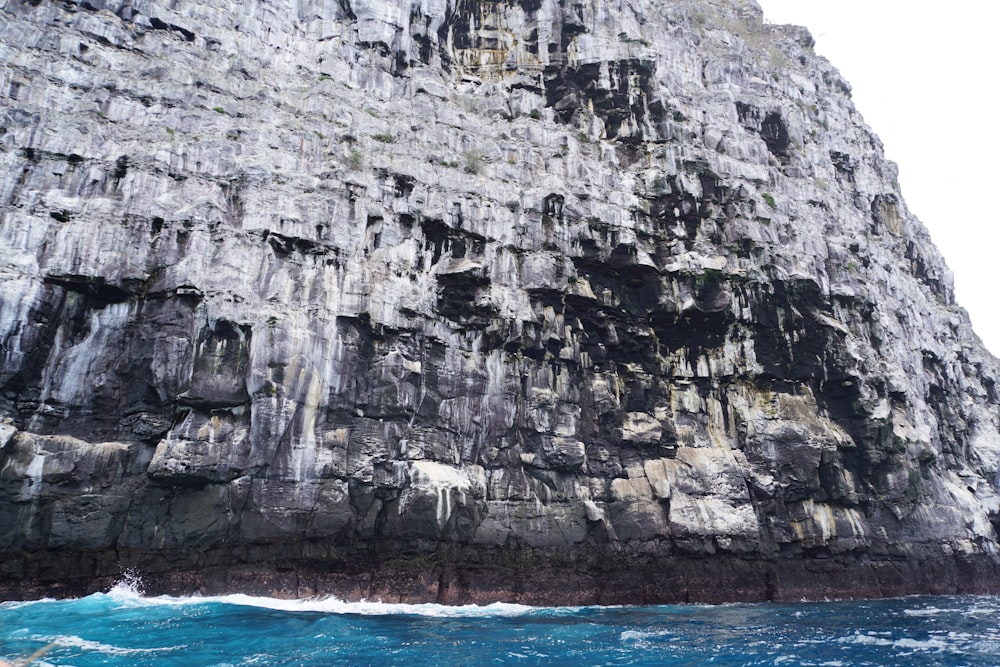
column 122, row 627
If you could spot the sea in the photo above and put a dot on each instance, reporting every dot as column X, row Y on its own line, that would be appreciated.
column 124, row 627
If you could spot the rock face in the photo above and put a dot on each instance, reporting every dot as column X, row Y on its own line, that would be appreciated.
column 538, row 300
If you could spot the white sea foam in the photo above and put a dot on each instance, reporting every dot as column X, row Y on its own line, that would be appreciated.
column 337, row 606
column 866, row 639
column 869, row 639
column 15, row 604
column 72, row 641
column 920, row 644
column 129, row 586
column 128, row 592
column 643, row 635
column 982, row 609
column 929, row 611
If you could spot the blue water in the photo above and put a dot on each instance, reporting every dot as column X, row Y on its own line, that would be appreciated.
column 124, row 628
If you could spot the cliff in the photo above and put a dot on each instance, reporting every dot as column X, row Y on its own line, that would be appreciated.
column 463, row 300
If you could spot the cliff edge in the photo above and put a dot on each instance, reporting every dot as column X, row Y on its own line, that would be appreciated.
column 467, row 300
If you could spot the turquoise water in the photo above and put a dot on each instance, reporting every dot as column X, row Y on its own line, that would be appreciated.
column 122, row 627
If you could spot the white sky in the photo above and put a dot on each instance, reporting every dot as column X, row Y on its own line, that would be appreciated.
column 925, row 79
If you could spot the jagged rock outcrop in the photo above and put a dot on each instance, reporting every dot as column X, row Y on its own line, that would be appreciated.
column 454, row 299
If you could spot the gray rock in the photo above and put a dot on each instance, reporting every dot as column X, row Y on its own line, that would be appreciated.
column 452, row 283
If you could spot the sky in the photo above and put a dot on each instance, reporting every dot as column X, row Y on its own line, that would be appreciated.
column 925, row 78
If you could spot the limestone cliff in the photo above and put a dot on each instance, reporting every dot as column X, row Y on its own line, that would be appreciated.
column 540, row 300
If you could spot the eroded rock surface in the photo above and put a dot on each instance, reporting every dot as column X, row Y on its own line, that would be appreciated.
column 461, row 300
